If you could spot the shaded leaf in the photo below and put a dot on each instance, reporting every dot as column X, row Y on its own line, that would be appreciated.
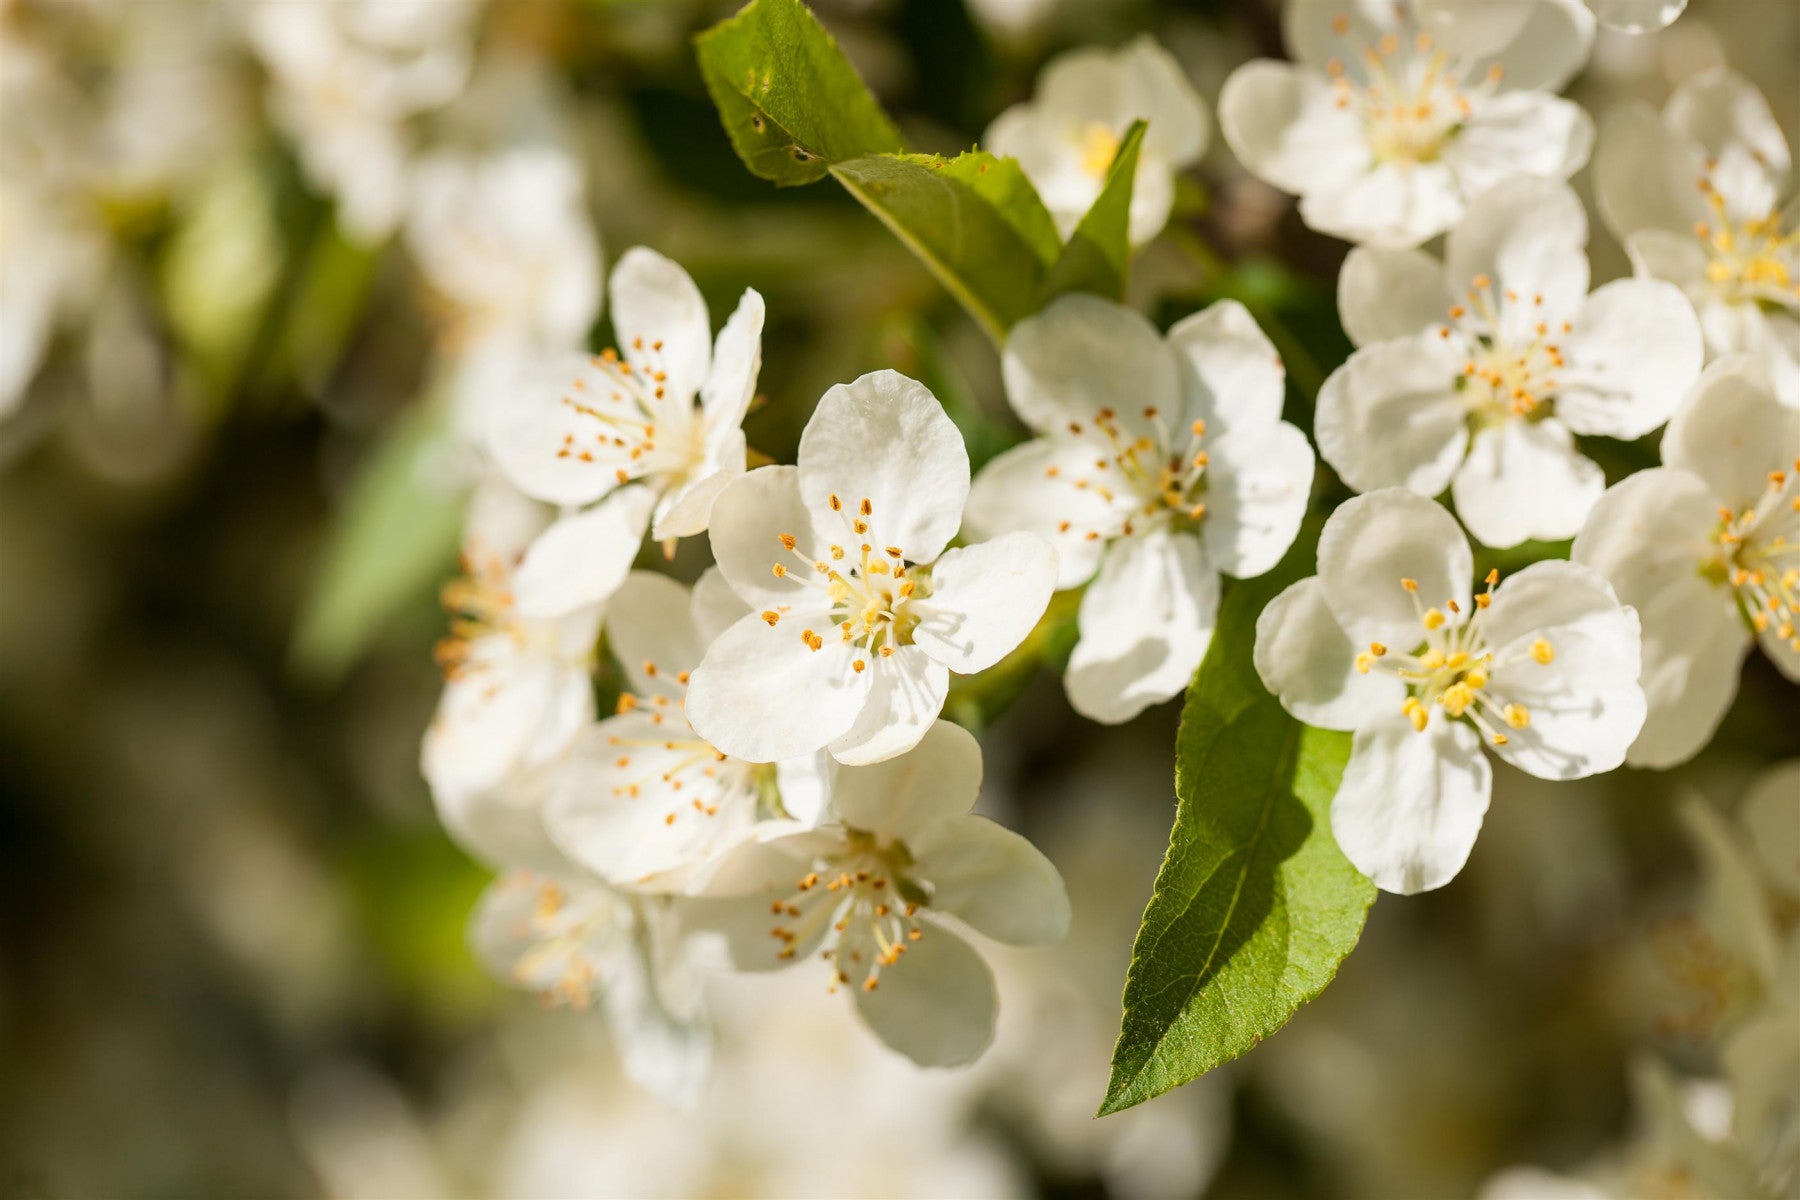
column 1098, row 256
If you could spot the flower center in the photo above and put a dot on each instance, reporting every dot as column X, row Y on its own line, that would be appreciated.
column 1452, row 668
column 870, row 900
column 1752, row 261
column 1759, row 555
column 637, row 424
column 1143, row 479
column 479, row 604
column 1513, row 364
column 698, row 782
column 570, row 936
column 1410, row 97
column 1099, row 146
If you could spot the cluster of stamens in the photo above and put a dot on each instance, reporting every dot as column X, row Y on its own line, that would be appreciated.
column 1752, row 260
column 479, row 603
column 710, row 771
column 1410, row 95
column 1504, row 377
column 868, row 586
column 562, row 933
column 1760, row 556
column 637, row 424
column 872, row 905
column 1141, row 477
column 1452, row 667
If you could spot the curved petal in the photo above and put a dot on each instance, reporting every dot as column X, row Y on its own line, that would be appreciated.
column 1231, row 373
column 651, row 634
column 661, row 321
column 502, row 713
column 1473, row 28
column 936, row 1005
column 1635, row 351
column 1411, row 802
column 501, row 825
column 749, row 519
column 1391, row 417
column 984, row 600
column 1257, row 486
column 1152, row 199
column 1157, row 90
column 547, row 444
column 1317, row 31
column 1546, row 594
column 713, row 607
column 1529, row 133
column 908, row 796
column 1524, row 480
column 1678, row 258
column 1081, row 355
column 1145, row 623
column 1031, row 488
column 906, row 694
column 1732, row 431
column 1549, row 48
column 1374, row 542
column 1389, row 205
column 582, row 559
column 1585, row 705
column 1282, row 123
column 885, row 439
column 994, row 881
column 1385, row 295
column 761, row 694
column 1529, row 235
column 1718, row 109
column 687, row 510
column 1644, row 175
column 1307, row 660
column 736, row 362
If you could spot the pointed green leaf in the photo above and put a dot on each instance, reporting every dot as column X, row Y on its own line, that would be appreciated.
column 1255, row 905
column 1098, row 256
column 791, row 102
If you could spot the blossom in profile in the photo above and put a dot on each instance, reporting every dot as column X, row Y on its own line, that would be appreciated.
column 1066, row 136
column 1395, row 116
column 1389, row 641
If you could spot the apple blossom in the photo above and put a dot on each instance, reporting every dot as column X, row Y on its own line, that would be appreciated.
column 1397, row 115
column 903, row 852
column 651, row 431
column 1387, row 640
column 1707, row 547
column 1476, row 372
column 858, row 613
column 1161, row 463
column 1067, row 135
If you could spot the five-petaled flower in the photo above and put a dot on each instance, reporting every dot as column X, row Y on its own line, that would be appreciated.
column 1707, row 547
column 1387, row 640
column 858, row 613
column 1395, row 118
column 1160, row 463
column 902, row 852
column 1476, row 373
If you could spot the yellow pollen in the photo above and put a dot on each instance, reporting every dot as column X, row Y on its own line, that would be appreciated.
column 1543, row 651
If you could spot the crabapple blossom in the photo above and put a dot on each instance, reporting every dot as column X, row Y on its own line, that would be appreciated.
column 651, row 431
column 1707, row 548
column 1387, row 640
column 858, row 613
column 641, row 799
column 1397, row 115
column 1476, row 372
column 902, row 853
column 1161, row 463
column 1696, row 195
column 1066, row 137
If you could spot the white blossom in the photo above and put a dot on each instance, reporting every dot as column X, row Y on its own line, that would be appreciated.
column 1697, row 196
column 1476, row 373
column 1707, row 548
column 903, row 853
column 1161, row 463
column 1068, row 134
column 1387, row 640
column 651, row 431
column 859, row 613
column 1397, row 115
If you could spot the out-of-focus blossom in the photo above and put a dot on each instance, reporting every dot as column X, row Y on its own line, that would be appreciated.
column 1637, row 16
column 1697, row 196
column 1161, row 464
column 1396, row 116
column 1707, row 548
column 1066, row 136
column 1475, row 373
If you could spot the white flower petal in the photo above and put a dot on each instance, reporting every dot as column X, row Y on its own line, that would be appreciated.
column 936, row 1005
column 1634, row 352
column 1411, row 803
column 1307, row 660
column 501, row 824
column 650, row 633
column 1031, row 488
column 1524, row 480
column 1520, row 133
column 1384, row 295
column 1644, row 175
column 763, row 868
column 502, row 713
column 994, row 881
column 1678, row 258
column 984, row 600
column 1550, row 47
column 885, row 438
column 1232, row 377
column 1157, row 90
column 760, row 694
column 736, row 362
column 749, row 518
column 1372, row 543
column 1390, row 205
column 1586, row 706
column 687, row 510
column 1317, row 31
column 1082, row 354
column 908, row 796
column 1732, row 431
column 661, row 321
column 1391, row 416
column 714, row 607
column 1473, row 28
column 1145, row 623
column 1282, row 122
column 1257, row 486
column 906, row 694
column 547, row 447
column 1528, row 234
column 1718, row 109
column 581, row 559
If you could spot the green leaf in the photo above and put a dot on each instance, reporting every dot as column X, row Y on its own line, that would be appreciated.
column 791, row 102
column 1002, row 183
column 1255, row 905
column 990, row 259
column 394, row 540
column 1098, row 256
